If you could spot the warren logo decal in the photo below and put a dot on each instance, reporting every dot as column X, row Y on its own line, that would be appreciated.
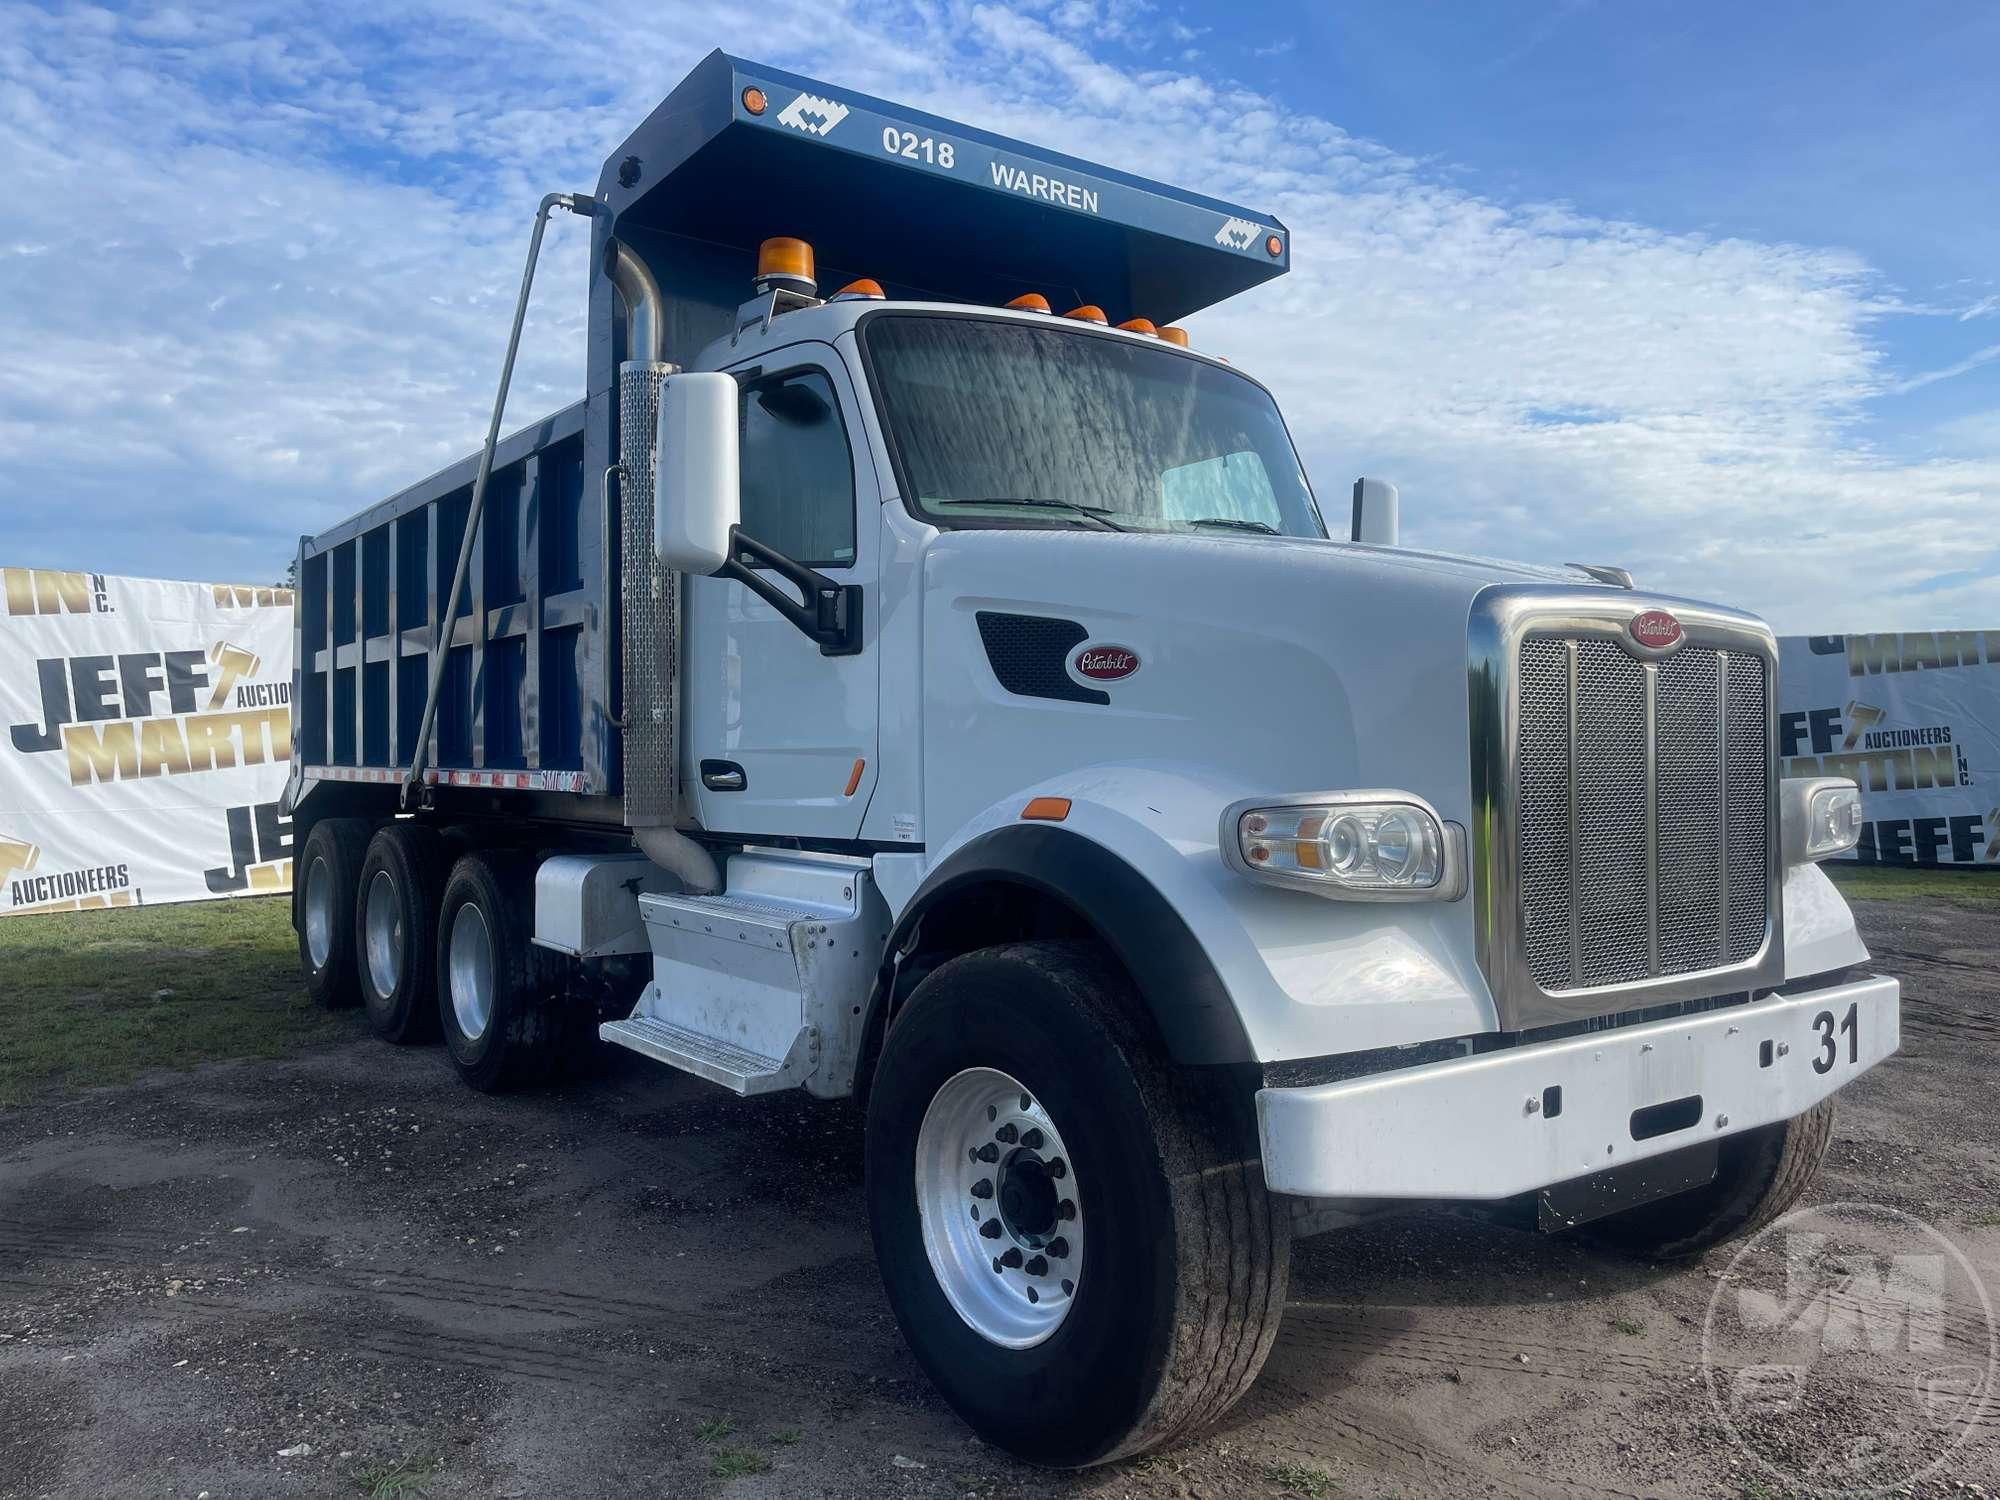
column 1106, row 663
column 1238, row 234
column 812, row 114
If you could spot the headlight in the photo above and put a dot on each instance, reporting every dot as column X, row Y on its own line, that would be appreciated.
column 1361, row 846
column 1821, row 815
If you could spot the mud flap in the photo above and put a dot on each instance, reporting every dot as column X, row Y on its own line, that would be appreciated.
column 1581, row 1199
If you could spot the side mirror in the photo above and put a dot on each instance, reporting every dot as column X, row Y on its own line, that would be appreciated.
column 1375, row 512
column 697, row 491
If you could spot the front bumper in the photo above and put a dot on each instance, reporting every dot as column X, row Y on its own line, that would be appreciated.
column 1523, row 1118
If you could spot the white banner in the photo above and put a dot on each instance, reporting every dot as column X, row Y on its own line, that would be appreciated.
column 149, row 733
column 1915, row 720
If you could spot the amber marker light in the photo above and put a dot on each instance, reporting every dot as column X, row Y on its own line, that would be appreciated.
column 1175, row 336
column 1047, row 809
column 1275, row 245
column 1088, row 313
column 1139, row 325
column 1031, row 302
column 865, row 290
column 854, row 777
column 754, row 100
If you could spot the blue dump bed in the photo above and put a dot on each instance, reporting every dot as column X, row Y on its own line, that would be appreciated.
column 736, row 154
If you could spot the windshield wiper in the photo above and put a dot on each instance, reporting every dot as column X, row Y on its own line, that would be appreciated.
column 1236, row 523
column 1099, row 514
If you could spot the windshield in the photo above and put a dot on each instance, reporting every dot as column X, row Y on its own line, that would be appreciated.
column 1004, row 423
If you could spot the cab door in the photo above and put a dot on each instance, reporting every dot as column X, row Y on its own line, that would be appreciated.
column 779, row 739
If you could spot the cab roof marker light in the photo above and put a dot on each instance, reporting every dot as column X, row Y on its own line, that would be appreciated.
column 864, row 290
column 1178, row 337
column 1031, row 302
column 1090, row 312
column 1140, row 325
column 1046, row 809
column 1347, row 846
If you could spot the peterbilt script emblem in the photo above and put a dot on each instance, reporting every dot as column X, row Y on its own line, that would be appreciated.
column 1655, row 629
column 1106, row 663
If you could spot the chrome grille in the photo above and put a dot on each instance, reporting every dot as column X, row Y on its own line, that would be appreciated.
column 1642, row 811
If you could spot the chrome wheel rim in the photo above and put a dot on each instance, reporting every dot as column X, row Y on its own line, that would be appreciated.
column 382, row 934
column 998, row 1204
column 471, row 972
column 319, row 913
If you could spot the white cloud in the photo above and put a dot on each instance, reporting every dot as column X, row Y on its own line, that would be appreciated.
column 288, row 249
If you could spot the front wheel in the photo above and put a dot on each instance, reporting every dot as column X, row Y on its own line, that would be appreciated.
column 1075, row 1236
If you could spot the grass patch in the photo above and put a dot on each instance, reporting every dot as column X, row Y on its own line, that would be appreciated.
column 1299, row 1479
column 734, row 1463
column 1984, row 1218
column 715, row 1429
column 407, row 1479
column 82, row 1000
column 1905, row 883
column 784, row 1437
column 1630, row 1327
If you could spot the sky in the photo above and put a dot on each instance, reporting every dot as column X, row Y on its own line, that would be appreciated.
column 1709, row 291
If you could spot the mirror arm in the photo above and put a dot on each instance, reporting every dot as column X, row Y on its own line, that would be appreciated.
column 832, row 614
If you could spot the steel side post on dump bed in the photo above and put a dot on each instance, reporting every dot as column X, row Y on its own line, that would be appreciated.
column 916, row 670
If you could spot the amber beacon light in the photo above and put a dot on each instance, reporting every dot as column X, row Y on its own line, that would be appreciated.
column 787, row 265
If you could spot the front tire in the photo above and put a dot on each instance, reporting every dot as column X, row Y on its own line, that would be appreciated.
column 1759, row 1175
column 501, row 1025
column 1021, row 1088
column 395, row 931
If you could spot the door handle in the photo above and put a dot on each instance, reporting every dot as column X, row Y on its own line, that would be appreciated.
column 723, row 776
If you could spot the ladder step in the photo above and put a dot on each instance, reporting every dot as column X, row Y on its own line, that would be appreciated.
column 759, row 921
column 734, row 1068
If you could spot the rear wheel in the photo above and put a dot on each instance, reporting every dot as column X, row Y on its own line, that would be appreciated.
column 1075, row 1236
column 501, row 1024
column 395, row 931
column 1759, row 1175
column 329, row 870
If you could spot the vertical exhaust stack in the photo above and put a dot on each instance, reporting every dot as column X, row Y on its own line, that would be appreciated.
column 651, row 591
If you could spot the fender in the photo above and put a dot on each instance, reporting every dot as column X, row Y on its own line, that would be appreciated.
column 1176, row 979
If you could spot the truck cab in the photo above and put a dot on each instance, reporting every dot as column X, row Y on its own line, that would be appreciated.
column 937, row 681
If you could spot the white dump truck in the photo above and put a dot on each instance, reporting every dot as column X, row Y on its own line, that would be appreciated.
column 917, row 671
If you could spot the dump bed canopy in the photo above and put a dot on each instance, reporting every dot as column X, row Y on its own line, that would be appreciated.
column 927, row 207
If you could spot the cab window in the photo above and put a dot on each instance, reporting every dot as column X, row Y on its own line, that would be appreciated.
column 797, row 470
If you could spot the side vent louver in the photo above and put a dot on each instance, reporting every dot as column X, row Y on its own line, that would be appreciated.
column 1028, row 654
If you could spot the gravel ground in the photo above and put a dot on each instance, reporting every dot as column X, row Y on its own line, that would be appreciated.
column 345, row 1274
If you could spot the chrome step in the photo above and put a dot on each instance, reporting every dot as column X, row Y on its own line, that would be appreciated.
column 736, row 1068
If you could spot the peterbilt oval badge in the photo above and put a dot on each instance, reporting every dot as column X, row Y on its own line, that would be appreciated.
column 1655, row 629
column 1106, row 663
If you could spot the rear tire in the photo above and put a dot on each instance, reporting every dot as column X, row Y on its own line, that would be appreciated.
column 329, row 872
column 501, row 1024
column 1176, row 1277
column 1759, row 1175
column 395, row 931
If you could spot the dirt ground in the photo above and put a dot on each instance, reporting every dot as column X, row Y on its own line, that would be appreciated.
column 640, row 1284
